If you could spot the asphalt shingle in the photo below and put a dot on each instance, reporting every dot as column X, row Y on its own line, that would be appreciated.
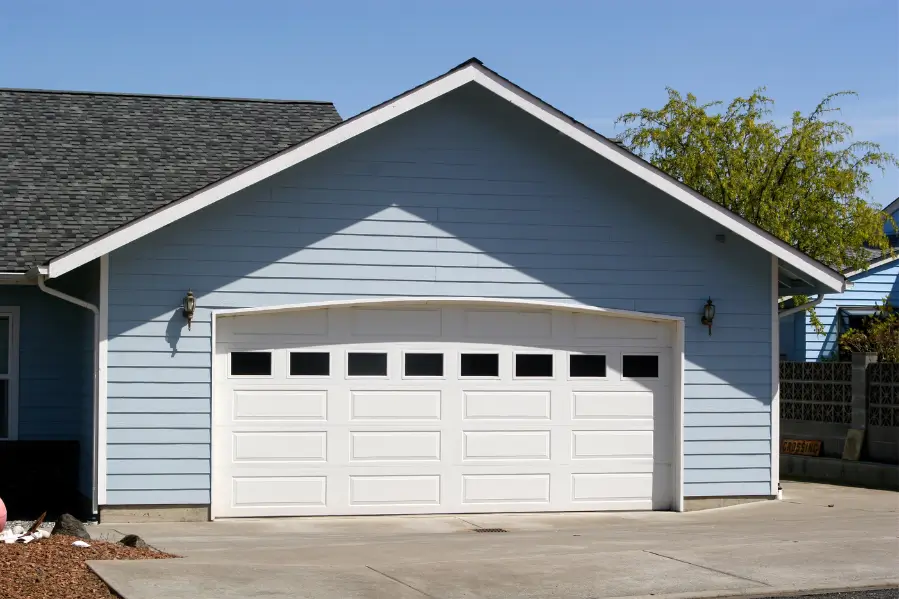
column 74, row 166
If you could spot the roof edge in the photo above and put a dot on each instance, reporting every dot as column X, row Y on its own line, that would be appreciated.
column 470, row 71
column 65, row 92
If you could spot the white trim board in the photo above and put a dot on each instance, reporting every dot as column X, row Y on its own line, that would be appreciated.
column 775, row 380
column 872, row 266
column 470, row 72
column 484, row 301
column 100, row 432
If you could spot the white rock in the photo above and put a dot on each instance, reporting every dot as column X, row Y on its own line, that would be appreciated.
column 80, row 544
column 18, row 530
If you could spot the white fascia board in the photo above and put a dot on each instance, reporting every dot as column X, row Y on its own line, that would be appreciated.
column 256, row 173
column 872, row 266
column 419, row 301
column 472, row 72
column 634, row 165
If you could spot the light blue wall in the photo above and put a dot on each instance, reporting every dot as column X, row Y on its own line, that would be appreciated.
column 55, row 364
column 869, row 289
column 464, row 197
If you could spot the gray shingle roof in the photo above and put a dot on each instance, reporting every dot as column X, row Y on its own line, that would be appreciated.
column 74, row 166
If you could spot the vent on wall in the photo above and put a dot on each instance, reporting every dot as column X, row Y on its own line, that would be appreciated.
column 490, row 530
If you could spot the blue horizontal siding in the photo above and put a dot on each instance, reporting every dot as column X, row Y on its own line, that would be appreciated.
column 129, row 482
column 151, row 405
column 725, row 419
column 158, row 466
column 159, row 497
column 733, row 461
column 729, row 474
column 466, row 197
column 739, row 489
column 870, row 288
column 56, row 361
column 725, row 448
column 137, row 451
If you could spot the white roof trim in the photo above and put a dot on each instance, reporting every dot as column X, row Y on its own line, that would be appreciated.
column 471, row 72
column 484, row 301
column 872, row 266
column 892, row 206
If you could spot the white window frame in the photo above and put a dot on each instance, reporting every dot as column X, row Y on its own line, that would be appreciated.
column 423, row 377
column 12, row 373
column 271, row 372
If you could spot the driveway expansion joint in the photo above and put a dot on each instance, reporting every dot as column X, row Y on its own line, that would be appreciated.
column 398, row 581
column 732, row 575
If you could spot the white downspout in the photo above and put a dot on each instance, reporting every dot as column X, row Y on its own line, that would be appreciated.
column 788, row 311
column 41, row 283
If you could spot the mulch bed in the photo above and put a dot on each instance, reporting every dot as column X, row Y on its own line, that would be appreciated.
column 54, row 569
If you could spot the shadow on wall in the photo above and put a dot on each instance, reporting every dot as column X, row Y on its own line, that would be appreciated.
column 173, row 330
column 505, row 197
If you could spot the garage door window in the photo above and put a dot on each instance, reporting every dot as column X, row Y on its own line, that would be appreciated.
column 423, row 365
column 246, row 363
column 366, row 364
column 533, row 365
column 479, row 365
column 587, row 366
column 640, row 367
column 310, row 363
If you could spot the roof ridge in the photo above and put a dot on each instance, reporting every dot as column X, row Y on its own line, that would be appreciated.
column 160, row 96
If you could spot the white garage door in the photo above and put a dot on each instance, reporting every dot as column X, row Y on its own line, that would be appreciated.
column 447, row 408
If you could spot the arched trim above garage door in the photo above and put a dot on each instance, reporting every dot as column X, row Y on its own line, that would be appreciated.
column 677, row 345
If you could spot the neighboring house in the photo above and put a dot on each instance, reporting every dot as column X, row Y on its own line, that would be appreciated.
column 838, row 312
column 461, row 300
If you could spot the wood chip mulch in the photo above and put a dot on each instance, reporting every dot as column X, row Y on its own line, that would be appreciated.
column 54, row 569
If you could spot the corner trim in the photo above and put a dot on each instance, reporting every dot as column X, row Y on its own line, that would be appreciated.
column 775, row 379
column 678, row 384
column 100, row 431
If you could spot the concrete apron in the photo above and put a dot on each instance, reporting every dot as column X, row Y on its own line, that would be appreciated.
column 799, row 544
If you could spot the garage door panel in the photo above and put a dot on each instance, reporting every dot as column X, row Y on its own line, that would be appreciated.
column 395, row 490
column 333, row 444
column 269, row 446
column 587, row 405
column 607, row 444
column 507, row 405
column 395, row 405
column 508, row 444
column 283, row 491
column 279, row 405
column 394, row 445
column 505, row 488
column 603, row 487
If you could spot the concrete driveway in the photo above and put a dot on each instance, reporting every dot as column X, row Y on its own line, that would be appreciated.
column 819, row 537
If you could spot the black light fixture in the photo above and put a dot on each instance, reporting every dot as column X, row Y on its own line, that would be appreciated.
column 188, row 307
column 708, row 314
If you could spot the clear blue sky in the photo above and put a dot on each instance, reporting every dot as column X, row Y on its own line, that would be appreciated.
column 593, row 59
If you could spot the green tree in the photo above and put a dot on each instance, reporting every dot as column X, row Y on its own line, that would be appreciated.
column 805, row 182
column 879, row 334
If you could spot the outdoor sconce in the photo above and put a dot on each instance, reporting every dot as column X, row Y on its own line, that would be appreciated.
column 708, row 314
column 189, row 306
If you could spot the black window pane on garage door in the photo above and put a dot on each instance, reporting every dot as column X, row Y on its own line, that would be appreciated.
column 533, row 365
column 479, row 365
column 251, row 363
column 310, row 363
column 635, row 367
column 366, row 364
column 424, row 364
column 587, row 366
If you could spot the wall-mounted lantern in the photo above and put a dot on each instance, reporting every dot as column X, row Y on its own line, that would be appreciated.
column 708, row 314
column 188, row 307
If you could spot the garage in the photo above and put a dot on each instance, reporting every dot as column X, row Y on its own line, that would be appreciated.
column 443, row 406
